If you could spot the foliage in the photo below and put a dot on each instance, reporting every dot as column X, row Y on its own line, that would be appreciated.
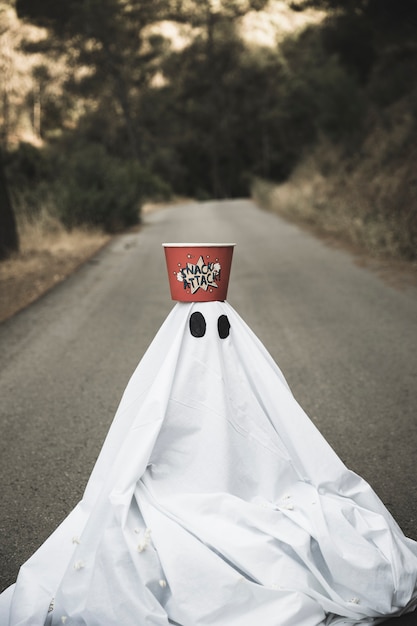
column 206, row 115
column 360, row 32
column 367, row 198
column 97, row 189
column 28, row 183
column 223, row 114
column 82, row 184
column 232, row 113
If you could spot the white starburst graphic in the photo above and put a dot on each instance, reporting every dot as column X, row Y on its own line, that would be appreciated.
column 200, row 275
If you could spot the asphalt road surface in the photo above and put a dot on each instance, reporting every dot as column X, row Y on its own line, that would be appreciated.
column 346, row 341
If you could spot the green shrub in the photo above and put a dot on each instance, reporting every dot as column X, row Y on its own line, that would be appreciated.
column 28, row 172
column 95, row 188
column 80, row 183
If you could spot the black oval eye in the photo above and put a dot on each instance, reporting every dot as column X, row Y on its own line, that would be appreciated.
column 223, row 326
column 197, row 324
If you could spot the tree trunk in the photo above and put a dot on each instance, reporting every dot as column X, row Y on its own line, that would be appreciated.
column 37, row 111
column 124, row 103
column 9, row 240
column 6, row 120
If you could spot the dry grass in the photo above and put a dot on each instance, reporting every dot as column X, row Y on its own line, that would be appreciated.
column 368, row 199
column 365, row 202
column 297, row 201
column 48, row 254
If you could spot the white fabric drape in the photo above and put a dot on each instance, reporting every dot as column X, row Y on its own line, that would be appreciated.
column 216, row 501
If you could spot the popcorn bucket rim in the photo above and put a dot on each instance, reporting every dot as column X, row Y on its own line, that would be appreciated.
column 198, row 245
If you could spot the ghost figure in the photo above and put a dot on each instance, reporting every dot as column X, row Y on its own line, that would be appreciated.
column 215, row 501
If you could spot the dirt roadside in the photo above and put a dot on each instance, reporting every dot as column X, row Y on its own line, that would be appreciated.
column 33, row 272
column 397, row 273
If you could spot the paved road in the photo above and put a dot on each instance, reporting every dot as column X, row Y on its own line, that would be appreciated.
column 346, row 341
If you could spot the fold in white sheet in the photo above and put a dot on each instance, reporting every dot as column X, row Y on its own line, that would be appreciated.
column 215, row 501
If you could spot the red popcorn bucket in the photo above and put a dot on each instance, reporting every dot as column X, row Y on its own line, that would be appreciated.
column 198, row 272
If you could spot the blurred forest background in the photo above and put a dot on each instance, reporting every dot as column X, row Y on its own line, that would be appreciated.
column 309, row 106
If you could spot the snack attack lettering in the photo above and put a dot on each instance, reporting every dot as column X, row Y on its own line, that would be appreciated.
column 201, row 275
